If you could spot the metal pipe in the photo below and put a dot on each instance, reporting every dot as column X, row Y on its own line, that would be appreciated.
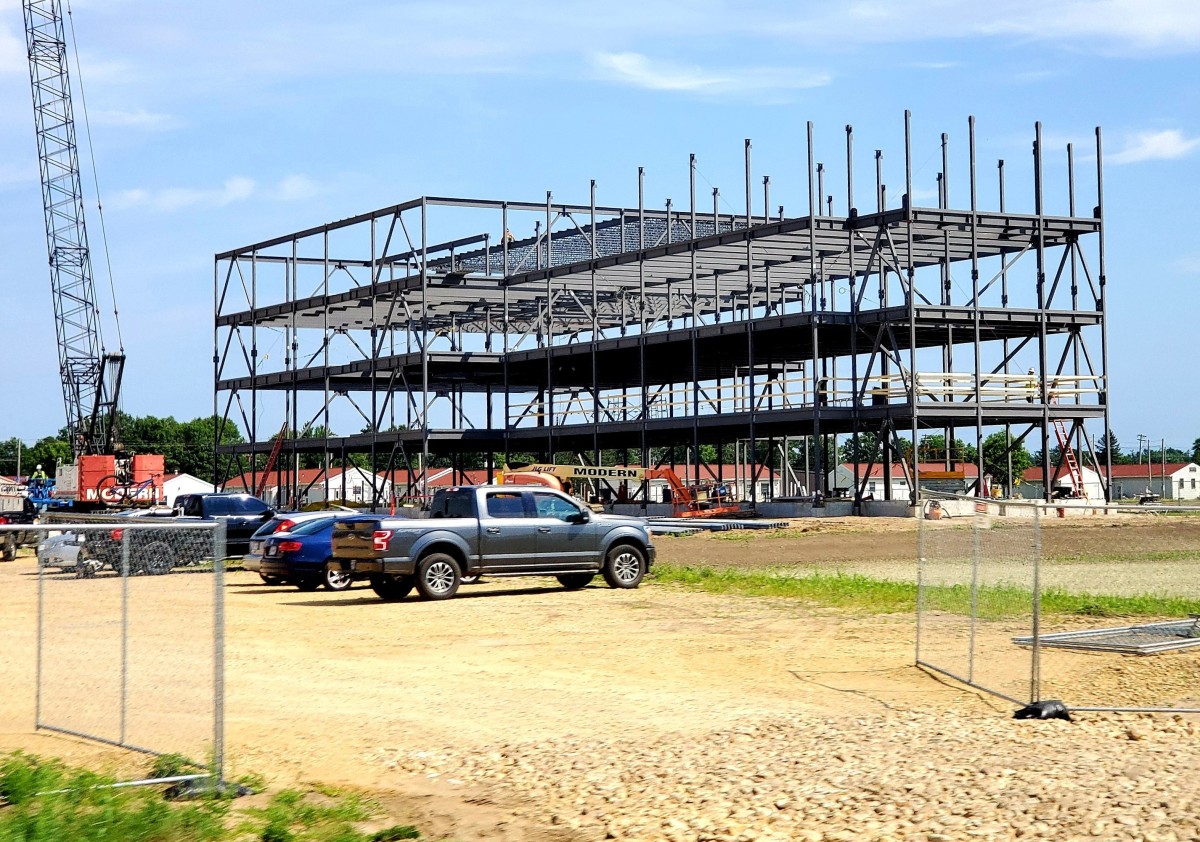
column 978, row 339
column 851, row 221
column 753, row 461
column 910, row 271
column 1041, row 307
column 695, row 325
column 813, row 210
column 1102, row 306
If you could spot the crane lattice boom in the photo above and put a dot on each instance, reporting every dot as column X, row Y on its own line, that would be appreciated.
column 90, row 378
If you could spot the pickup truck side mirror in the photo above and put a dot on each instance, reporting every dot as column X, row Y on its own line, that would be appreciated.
column 583, row 517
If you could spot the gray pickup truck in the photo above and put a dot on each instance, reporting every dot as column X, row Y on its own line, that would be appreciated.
column 492, row 530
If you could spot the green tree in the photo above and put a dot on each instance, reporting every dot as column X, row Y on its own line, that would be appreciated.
column 8, row 456
column 996, row 457
column 933, row 449
column 869, row 450
column 49, row 452
column 1108, row 445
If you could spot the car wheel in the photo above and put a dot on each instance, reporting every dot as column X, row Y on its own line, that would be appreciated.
column 391, row 588
column 625, row 567
column 85, row 567
column 575, row 581
column 336, row 579
column 309, row 583
column 157, row 558
column 269, row 579
column 438, row 576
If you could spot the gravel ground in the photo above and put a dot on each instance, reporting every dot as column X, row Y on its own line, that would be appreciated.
column 898, row 775
column 522, row 712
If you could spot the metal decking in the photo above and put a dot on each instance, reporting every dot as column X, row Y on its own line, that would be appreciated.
column 1148, row 639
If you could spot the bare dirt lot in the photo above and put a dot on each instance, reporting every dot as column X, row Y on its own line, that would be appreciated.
column 520, row 711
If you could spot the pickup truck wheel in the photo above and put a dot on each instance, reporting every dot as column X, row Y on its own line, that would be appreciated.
column 85, row 566
column 575, row 581
column 438, row 576
column 391, row 588
column 336, row 579
column 10, row 547
column 157, row 558
column 624, row 567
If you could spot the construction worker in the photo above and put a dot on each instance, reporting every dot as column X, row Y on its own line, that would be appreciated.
column 1031, row 386
column 38, row 478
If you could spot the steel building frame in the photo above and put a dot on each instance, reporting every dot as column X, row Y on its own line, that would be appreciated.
column 633, row 328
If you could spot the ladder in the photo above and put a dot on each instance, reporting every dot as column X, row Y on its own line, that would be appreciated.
column 266, row 474
column 1064, row 447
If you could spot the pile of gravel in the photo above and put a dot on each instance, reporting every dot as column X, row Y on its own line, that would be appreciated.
column 897, row 775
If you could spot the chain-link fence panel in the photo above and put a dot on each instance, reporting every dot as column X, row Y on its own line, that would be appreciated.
column 976, row 592
column 1119, row 604
column 130, row 635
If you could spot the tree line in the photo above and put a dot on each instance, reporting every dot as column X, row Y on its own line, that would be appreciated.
column 187, row 447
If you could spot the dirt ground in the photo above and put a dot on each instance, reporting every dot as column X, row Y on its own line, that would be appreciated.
column 320, row 686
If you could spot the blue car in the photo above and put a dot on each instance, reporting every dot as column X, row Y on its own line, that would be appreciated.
column 299, row 557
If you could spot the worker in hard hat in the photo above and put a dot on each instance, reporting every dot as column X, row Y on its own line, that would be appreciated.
column 1031, row 386
column 38, row 478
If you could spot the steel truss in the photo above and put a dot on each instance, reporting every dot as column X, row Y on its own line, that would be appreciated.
column 632, row 328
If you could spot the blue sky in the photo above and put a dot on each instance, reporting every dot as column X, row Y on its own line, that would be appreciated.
column 217, row 124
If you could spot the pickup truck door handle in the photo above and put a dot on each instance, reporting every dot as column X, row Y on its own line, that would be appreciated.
column 543, row 529
column 493, row 530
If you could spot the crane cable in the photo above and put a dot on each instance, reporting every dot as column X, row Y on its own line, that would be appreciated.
column 96, row 186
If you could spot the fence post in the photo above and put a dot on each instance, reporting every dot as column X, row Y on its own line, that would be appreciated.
column 126, row 537
column 974, row 596
column 41, row 636
column 1035, row 666
column 218, row 770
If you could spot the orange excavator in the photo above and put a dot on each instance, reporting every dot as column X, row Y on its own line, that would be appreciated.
column 704, row 500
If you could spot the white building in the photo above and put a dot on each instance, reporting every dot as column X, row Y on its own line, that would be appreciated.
column 1032, row 489
column 1172, row 481
column 176, row 484
column 315, row 485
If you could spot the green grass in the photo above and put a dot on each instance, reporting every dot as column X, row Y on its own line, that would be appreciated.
column 742, row 536
column 1128, row 555
column 46, row 801
column 857, row 593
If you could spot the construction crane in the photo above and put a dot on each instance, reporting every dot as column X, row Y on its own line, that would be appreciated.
column 91, row 375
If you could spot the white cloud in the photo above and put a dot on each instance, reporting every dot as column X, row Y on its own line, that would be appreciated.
column 235, row 189
column 924, row 196
column 1189, row 265
column 1105, row 26
column 18, row 173
column 295, row 188
column 1166, row 145
column 642, row 72
column 139, row 119
column 12, row 52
